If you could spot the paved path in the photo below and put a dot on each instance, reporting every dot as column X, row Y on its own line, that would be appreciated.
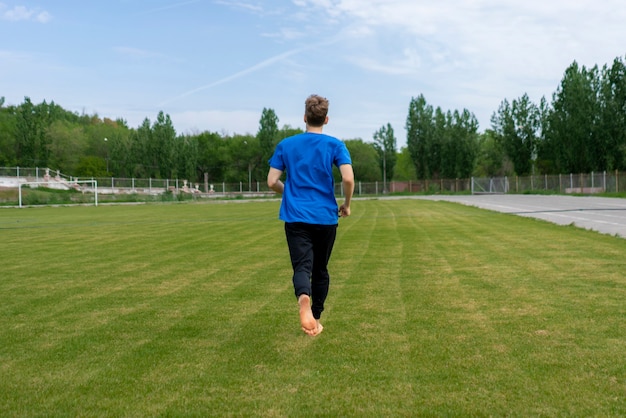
column 602, row 214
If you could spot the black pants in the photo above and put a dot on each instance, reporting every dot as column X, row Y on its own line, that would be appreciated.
column 310, row 247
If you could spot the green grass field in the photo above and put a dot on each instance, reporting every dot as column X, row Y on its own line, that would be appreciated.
column 435, row 309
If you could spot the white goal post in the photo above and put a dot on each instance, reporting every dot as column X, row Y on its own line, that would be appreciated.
column 69, row 184
column 491, row 185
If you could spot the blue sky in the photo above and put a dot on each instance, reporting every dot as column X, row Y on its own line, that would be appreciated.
column 215, row 64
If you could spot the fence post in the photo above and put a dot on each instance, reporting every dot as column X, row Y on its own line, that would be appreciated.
column 581, row 182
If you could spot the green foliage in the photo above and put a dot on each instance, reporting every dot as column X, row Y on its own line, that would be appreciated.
column 613, row 116
column 244, row 156
column 420, row 136
column 517, row 129
column 287, row 131
column 572, row 123
column 91, row 167
column 385, row 145
column 404, row 169
column 67, row 143
column 365, row 161
column 491, row 159
column 586, row 127
column 441, row 144
column 267, row 136
column 213, row 157
column 163, row 143
column 7, row 134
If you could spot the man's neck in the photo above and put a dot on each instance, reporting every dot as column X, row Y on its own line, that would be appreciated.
column 314, row 129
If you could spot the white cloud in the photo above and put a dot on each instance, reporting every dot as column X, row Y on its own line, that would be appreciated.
column 243, row 5
column 409, row 63
column 535, row 38
column 285, row 34
column 224, row 122
column 20, row 13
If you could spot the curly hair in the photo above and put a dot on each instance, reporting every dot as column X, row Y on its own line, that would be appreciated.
column 316, row 110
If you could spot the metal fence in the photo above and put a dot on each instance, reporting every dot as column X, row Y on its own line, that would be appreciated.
column 586, row 183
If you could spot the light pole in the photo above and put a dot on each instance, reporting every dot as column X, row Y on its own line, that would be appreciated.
column 249, row 169
column 385, row 170
column 107, row 151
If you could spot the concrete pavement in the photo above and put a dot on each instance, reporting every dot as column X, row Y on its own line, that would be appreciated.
column 602, row 214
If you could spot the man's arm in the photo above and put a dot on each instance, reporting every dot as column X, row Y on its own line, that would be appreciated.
column 273, row 180
column 347, row 181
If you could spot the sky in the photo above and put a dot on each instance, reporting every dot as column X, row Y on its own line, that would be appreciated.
column 214, row 65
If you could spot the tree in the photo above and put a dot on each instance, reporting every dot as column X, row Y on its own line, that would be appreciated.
column 186, row 159
column 462, row 148
column 7, row 134
column 491, row 159
column 29, row 135
column 419, row 127
column 404, row 169
column 267, row 136
column 212, row 156
column 66, row 145
column 612, row 118
column 243, row 154
column 163, row 146
column 572, row 124
column 441, row 143
column 517, row 127
column 89, row 166
column 385, row 144
column 365, row 160
column 141, row 162
column 287, row 131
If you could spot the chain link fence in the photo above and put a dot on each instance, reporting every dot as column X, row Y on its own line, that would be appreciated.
column 585, row 183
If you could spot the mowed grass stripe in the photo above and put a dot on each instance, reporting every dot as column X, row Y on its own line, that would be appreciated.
column 505, row 296
column 365, row 349
column 188, row 309
column 150, row 301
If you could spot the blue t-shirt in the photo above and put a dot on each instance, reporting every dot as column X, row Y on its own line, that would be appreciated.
column 309, row 194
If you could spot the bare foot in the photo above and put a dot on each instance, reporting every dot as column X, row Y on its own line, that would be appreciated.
column 319, row 329
column 308, row 322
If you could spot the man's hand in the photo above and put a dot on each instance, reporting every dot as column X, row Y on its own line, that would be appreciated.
column 344, row 210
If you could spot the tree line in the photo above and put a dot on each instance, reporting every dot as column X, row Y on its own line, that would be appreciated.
column 582, row 129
